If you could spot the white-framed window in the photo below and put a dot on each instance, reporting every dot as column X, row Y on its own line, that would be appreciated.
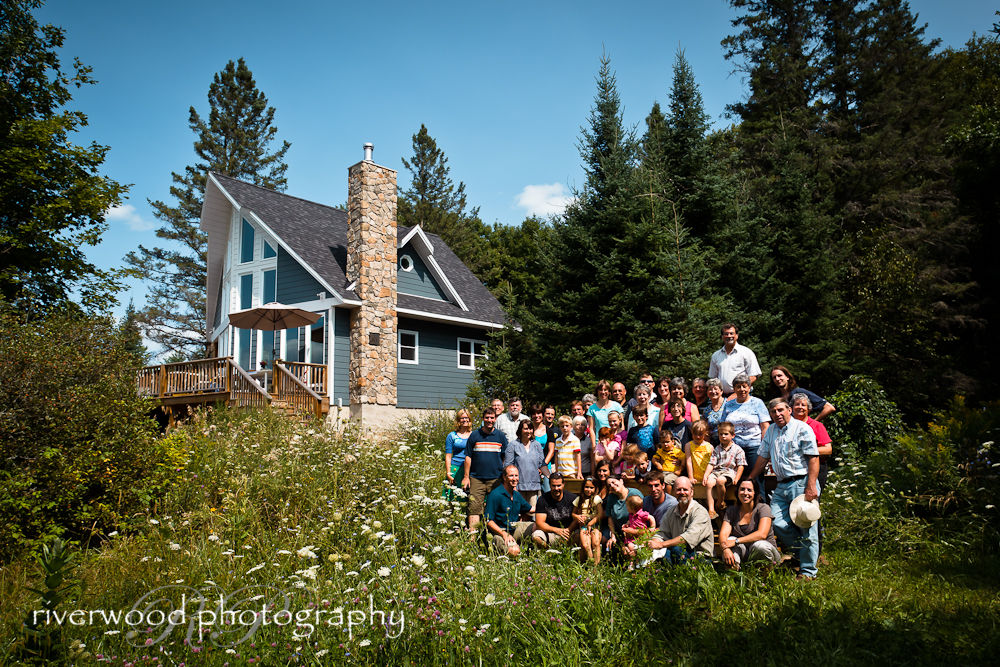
column 408, row 344
column 405, row 262
column 470, row 352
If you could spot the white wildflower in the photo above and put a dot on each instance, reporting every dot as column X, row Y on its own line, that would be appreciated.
column 306, row 552
column 253, row 569
column 213, row 538
column 418, row 560
column 364, row 642
column 384, row 572
column 173, row 546
column 490, row 600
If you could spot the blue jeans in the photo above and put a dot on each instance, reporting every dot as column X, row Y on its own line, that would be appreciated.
column 802, row 544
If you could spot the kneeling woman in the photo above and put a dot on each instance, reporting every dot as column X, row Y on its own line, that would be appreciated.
column 746, row 531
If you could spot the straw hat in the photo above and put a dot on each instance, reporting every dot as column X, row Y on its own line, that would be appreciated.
column 804, row 513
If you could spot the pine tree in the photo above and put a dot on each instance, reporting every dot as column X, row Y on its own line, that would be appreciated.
column 52, row 199
column 236, row 141
column 434, row 202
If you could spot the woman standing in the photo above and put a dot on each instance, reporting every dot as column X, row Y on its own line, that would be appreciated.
column 700, row 393
column 713, row 409
column 454, row 448
column 678, row 389
column 784, row 385
column 750, row 418
column 746, row 531
column 597, row 414
column 527, row 454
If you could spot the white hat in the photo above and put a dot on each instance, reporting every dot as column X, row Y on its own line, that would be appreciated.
column 804, row 513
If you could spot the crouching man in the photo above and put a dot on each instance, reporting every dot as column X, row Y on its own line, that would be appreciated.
column 504, row 507
column 686, row 531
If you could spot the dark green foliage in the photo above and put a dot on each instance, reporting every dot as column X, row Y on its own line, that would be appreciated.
column 866, row 420
column 52, row 198
column 237, row 141
column 80, row 452
column 434, row 202
column 43, row 642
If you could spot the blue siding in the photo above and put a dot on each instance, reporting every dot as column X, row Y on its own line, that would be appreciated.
column 419, row 281
column 295, row 285
column 435, row 382
column 341, row 354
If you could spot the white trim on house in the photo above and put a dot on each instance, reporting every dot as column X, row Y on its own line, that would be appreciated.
column 415, row 346
column 472, row 352
column 424, row 315
column 426, row 251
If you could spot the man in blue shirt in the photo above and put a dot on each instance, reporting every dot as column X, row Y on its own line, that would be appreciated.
column 484, row 452
column 790, row 446
column 504, row 507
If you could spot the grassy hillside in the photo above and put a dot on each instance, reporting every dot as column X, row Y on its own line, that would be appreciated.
column 308, row 538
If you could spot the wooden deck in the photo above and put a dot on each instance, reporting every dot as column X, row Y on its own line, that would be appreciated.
column 294, row 387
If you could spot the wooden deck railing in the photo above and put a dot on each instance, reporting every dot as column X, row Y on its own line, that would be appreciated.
column 246, row 392
column 186, row 377
column 293, row 391
column 311, row 375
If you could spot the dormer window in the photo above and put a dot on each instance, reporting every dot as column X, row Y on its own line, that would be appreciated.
column 405, row 263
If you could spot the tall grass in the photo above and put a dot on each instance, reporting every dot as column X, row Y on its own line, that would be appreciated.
column 313, row 522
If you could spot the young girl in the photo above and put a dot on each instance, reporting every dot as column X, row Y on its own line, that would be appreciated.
column 606, row 448
column 568, row 450
column 586, row 513
column 669, row 458
column 638, row 521
column 629, row 455
column 698, row 452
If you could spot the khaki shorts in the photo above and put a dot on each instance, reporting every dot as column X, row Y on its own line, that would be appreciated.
column 728, row 475
column 551, row 539
column 669, row 478
column 478, row 490
column 520, row 529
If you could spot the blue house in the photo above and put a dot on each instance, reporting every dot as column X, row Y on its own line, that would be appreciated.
column 403, row 322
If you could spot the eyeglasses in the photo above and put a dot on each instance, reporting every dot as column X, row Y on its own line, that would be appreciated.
column 648, row 381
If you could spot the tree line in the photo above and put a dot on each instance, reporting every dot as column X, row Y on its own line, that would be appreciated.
column 845, row 218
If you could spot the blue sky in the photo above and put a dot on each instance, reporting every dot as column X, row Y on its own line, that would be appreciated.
column 502, row 86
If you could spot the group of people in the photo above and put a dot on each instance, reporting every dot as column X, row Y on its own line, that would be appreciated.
column 514, row 466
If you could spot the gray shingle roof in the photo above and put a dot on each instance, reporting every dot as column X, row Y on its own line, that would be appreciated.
column 318, row 234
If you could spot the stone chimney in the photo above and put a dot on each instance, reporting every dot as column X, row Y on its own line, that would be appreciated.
column 371, row 266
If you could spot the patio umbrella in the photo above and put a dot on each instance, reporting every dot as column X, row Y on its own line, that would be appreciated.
column 272, row 317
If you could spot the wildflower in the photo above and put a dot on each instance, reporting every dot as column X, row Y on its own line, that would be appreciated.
column 154, row 522
column 364, row 642
column 470, row 569
column 113, row 533
column 490, row 599
column 213, row 538
column 255, row 568
column 418, row 560
column 306, row 552
column 384, row 572
column 173, row 546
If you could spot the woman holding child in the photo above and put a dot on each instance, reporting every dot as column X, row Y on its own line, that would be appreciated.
column 746, row 531
column 714, row 408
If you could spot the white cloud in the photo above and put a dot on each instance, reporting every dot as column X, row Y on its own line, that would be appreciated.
column 544, row 199
column 126, row 213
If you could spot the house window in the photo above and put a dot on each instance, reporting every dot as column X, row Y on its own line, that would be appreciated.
column 246, row 243
column 406, row 263
column 470, row 352
column 409, row 347
column 270, row 286
column 269, row 251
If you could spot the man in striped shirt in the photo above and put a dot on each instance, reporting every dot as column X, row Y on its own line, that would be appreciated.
column 484, row 453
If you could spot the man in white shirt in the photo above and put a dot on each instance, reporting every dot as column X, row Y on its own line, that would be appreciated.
column 732, row 359
column 508, row 421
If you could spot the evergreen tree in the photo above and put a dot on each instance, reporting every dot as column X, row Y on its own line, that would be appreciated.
column 434, row 202
column 52, row 199
column 237, row 141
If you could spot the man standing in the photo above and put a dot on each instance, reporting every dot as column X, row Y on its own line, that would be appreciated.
column 553, row 514
column 618, row 393
column 732, row 359
column 657, row 503
column 507, row 421
column 504, row 507
column 790, row 446
column 686, row 531
column 484, row 452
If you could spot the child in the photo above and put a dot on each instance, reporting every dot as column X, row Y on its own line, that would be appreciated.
column 629, row 455
column 586, row 513
column 642, row 394
column 698, row 452
column 638, row 520
column 642, row 468
column 568, row 450
column 669, row 458
column 643, row 434
column 676, row 424
column 606, row 448
column 726, row 465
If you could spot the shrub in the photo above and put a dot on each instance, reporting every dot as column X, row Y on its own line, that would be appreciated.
column 80, row 452
column 865, row 420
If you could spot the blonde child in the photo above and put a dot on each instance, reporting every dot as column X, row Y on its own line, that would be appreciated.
column 726, row 466
column 586, row 514
column 629, row 455
column 643, row 467
column 638, row 520
column 698, row 452
column 669, row 458
column 568, row 462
